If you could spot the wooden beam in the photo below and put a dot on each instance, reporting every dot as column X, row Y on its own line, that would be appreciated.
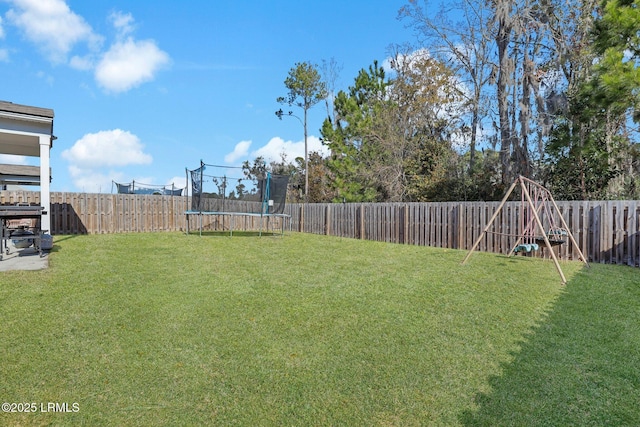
column 544, row 234
column 566, row 227
column 495, row 214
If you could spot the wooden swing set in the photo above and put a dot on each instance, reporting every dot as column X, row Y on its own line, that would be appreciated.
column 537, row 205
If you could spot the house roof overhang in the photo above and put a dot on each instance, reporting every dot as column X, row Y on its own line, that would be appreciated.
column 21, row 127
column 20, row 175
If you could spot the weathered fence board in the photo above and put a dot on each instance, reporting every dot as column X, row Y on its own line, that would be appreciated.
column 605, row 231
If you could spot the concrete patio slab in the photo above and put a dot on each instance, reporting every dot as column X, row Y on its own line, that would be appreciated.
column 23, row 259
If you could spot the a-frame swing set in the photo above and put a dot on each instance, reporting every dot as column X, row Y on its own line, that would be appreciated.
column 537, row 204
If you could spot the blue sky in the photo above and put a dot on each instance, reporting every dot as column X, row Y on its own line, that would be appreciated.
column 142, row 90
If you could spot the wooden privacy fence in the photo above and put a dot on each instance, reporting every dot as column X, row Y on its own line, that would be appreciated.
column 87, row 213
column 93, row 213
column 606, row 231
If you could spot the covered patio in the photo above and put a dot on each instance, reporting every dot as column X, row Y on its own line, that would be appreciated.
column 28, row 131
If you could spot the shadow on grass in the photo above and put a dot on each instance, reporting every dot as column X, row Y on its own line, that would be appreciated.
column 239, row 233
column 58, row 239
column 579, row 367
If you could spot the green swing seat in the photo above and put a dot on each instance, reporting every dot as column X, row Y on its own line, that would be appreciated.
column 526, row 247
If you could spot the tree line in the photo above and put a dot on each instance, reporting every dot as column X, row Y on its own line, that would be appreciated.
column 548, row 89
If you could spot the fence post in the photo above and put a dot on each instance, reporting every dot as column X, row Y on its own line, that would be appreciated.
column 405, row 224
column 327, row 220
column 607, row 231
column 458, row 226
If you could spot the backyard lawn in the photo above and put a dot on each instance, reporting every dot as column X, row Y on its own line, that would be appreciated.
column 168, row 330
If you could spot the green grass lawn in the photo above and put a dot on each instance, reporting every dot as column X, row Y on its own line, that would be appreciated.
column 175, row 330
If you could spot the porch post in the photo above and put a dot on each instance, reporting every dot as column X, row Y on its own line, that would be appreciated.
column 45, row 180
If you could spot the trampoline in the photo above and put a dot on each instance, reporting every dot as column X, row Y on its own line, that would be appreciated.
column 263, row 199
column 233, row 215
column 134, row 187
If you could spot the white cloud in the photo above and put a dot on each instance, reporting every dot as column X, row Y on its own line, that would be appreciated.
column 276, row 146
column 240, row 152
column 52, row 26
column 178, row 181
column 107, row 148
column 55, row 29
column 401, row 60
column 128, row 64
column 4, row 53
column 102, row 181
column 94, row 157
column 94, row 181
column 273, row 150
column 11, row 159
column 122, row 22
column 82, row 63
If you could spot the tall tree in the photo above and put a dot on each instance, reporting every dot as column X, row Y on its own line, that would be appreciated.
column 457, row 35
column 495, row 48
column 430, row 104
column 616, row 84
column 330, row 73
column 320, row 177
column 550, row 107
column 591, row 153
column 617, row 41
column 392, row 138
column 353, row 153
column 306, row 89
column 575, row 163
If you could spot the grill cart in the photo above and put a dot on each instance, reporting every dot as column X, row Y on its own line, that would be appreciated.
column 21, row 224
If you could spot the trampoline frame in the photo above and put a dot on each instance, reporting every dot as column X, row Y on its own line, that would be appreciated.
column 233, row 215
column 266, row 204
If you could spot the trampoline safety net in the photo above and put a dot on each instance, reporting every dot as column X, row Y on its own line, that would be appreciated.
column 273, row 193
column 269, row 199
column 137, row 188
